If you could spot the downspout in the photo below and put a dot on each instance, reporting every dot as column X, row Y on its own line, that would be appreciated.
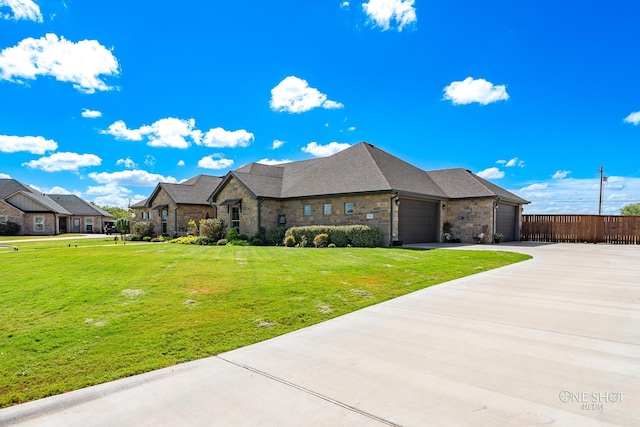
column 391, row 203
column 175, row 221
column 260, row 199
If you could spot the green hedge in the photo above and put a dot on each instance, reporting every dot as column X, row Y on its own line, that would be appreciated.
column 361, row 236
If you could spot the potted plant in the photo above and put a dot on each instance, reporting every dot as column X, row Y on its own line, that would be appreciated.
column 497, row 237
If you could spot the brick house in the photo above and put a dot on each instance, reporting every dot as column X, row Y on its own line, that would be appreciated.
column 171, row 206
column 48, row 214
column 365, row 185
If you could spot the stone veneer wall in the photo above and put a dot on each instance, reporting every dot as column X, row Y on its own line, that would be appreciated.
column 249, row 207
column 467, row 218
column 28, row 226
column 12, row 214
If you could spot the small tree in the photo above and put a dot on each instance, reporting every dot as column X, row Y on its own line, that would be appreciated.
column 630, row 210
column 212, row 228
column 144, row 228
column 123, row 225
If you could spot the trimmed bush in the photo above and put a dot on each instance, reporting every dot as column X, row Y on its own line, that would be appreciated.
column 136, row 237
column 222, row 242
column 243, row 237
column 232, row 234
column 146, row 238
column 143, row 229
column 202, row 240
column 256, row 241
column 212, row 228
column 9, row 228
column 332, row 245
column 275, row 236
column 289, row 241
column 343, row 235
column 321, row 240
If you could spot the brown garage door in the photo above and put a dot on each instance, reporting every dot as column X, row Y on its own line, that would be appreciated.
column 417, row 221
column 506, row 221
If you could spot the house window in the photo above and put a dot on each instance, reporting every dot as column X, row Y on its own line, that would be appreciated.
column 3, row 219
column 88, row 222
column 327, row 209
column 164, row 216
column 149, row 215
column 38, row 223
column 348, row 208
column 235, row 218
column 307, row 209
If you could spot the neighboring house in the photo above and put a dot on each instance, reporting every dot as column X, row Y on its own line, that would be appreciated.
column 365, row 185
column 47, row 214
column 171, row 206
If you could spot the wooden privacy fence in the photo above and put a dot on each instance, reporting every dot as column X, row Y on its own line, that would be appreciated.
column 581, row 228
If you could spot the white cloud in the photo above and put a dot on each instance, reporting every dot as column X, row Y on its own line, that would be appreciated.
column 127, row 163
column 560, row 174
column 149, row 160
column 64, row 161
column 4, row 176
column 31, row 144
column 475, row 90
column 317, row 150
column 90, row 114
column 170, row 132
column 579, row 195
column 58, row 190
column 491, row 173
column 110, row 195
column 384, row 13
column 119, row 130
column 351, row 129
column 512, row 162
column 633, row 118
column 344, row 4
column 277, row 144
column 294, row 95
column 134, row 177
column 273, row 161
column 21, row 9
column 220, row 138
column 180, row 163
column 215, row 161
column 80, row 63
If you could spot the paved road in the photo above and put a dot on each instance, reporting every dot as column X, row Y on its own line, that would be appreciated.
column 553, row 340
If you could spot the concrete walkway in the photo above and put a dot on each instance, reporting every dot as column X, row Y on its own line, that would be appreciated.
column 552, row 340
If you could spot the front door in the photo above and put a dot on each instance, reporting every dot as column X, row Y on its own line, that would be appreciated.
column 62, row 225
column 76, row 225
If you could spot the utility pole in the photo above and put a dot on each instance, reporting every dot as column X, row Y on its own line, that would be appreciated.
column 603, row 179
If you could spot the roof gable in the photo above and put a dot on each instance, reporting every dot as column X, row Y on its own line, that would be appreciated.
column 78, row 206
column 194, row 191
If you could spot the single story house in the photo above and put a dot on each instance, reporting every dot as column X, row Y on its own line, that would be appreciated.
column 170, row 207
column 366, row 185
column 48, row 214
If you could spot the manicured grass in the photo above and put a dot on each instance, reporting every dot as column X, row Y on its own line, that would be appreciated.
column 76, row 316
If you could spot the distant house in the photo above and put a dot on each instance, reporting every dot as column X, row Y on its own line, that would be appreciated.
column 48, row 214
column 365, row 185
column 170, row 207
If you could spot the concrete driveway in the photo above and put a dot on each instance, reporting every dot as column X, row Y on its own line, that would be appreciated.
column 553, row 340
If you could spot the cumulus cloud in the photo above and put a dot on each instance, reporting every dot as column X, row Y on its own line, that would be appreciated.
column 294, row 95
column 491, row 173
column 136, row 177
column 110, row 195
column 391, row 13
column 512, row 162
column 560, row 174
column 5, row 176
column 91, row 114
column 127, row 163
column 633, row 118
column 81, row 63
column 475, row 90
column 277, row 144
column 273, row 161
column 534, row 187
column 318, row 150
column 220, row 138
column 64, row 161
column 180, row 163
column 20, row 9
column 215, row 161
column 351, row 129
column 31, row 144
column 119, row 130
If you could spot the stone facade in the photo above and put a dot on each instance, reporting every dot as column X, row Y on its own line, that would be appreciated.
column 467, row 218
column 29, row 227
column 11, row 213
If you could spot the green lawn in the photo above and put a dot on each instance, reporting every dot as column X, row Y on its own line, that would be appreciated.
column 76, row 316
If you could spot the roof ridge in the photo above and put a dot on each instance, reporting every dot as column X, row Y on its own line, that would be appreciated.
column 368, row 147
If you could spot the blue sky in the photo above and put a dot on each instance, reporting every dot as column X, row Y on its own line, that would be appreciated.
column 106, row 99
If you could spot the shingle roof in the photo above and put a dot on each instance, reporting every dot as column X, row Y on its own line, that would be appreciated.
column 194, row 191
column 9, row 186
column 77, row 206
column 41, row 199
column 363, row 168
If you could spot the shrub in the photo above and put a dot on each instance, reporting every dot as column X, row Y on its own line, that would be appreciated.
column 136, row 237
column 243, row 237
column 143, row 228
column 202, row 240
column 289, row 241
column 256, row 241
column 9, row 228
column 123, row 225
column 213, row 228
column 238, row 242
column 332, row 245
column 344, row 235
column 321, row 240
column 275, row 236
column 232, row 234
column 222, row 242
column 147, row 238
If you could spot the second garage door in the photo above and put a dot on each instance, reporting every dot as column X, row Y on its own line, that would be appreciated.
column 506, row 221
column 417, row 221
